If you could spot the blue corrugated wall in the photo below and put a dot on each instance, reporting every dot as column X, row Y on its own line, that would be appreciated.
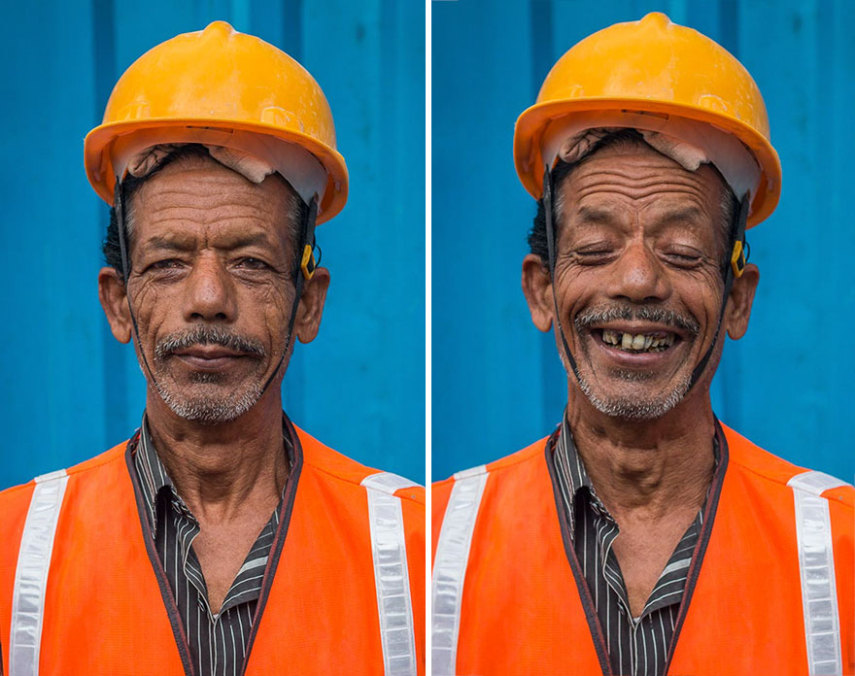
column 497, row 381
column 67, row 389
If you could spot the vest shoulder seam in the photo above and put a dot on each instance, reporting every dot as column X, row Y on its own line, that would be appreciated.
column 783, row 482
column 369, row 471
column 526, row 454
column 111, row 455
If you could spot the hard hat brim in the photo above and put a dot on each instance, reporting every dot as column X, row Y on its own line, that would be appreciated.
column 102, row 176
column 532, row 123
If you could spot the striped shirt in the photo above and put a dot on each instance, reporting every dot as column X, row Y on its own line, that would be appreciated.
column 217, row 642
column 637, row 646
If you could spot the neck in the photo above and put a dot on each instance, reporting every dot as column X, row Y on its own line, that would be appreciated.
column 646, row 467
column 218, row 469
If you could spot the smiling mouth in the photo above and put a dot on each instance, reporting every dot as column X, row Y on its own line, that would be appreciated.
column 658, row 341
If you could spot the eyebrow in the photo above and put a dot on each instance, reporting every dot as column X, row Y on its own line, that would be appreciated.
column 588, row 214
column 189, row 243
column 691, row 213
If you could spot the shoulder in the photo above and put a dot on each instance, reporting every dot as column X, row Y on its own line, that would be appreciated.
column 92, row 465
column 524, row 465
column 775, row 473
column 339, row 468
column 531, row 454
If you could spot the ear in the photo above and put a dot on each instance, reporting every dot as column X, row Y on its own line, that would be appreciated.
column 311, row 306
column 537, row 287
column 740, row 301
column 111, row 292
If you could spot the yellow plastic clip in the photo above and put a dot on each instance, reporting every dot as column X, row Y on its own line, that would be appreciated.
column 737, row 259
column 307, row 264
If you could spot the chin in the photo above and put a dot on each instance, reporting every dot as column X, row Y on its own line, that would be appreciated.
column 640, row 407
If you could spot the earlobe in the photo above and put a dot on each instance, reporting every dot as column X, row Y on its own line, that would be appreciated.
column 740, row 301
column 537, row 288
column 111, row 292
column 311, row 307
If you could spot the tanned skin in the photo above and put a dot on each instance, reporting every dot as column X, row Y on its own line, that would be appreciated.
column 639, row 230
column 210, row 248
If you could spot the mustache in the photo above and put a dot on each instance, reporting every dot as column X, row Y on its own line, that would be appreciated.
column 597, row 315
column 206, row 335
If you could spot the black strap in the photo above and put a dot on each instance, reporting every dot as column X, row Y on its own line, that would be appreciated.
column 307, row 238
column 550, row 243
column 118, row 207
column 738, row 236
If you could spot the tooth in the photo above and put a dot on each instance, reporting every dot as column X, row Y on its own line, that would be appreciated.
column 626, row 343
column 638, row 342
column 610, row 337
column 668, row 340
column 648, row 341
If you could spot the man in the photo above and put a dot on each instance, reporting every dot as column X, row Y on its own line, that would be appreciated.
column 220, row 539
column 643, row 536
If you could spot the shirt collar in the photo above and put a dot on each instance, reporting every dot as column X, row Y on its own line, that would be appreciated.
column 154, row 479
column 574, row 476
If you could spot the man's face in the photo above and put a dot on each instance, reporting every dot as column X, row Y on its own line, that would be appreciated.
column 212, row 287
column 637, row 278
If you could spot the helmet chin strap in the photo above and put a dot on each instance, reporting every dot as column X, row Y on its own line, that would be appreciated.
column 730, row 272
column 304, row 268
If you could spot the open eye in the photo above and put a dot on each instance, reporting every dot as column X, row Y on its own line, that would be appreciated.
column 166, row 264
column 250, row 263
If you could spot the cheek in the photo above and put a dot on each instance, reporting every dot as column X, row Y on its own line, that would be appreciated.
column 702, row 295
column 149, row 302
column 269, row 306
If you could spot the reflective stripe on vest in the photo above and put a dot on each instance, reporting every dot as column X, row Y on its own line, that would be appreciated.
column 816, row 566
column 391, row 577
column 449, row 570
column 31, row 574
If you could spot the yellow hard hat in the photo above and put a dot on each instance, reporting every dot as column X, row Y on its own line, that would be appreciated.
column 653, row 74
column 221, row 87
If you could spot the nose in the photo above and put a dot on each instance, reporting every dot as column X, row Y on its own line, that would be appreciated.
column 639, row 276
column 209, row 292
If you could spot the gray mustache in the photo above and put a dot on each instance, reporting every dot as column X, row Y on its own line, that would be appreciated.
column 597, row 315
column 202, row 335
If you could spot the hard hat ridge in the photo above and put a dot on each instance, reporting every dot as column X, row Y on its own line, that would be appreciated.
column 655, row 75
column 222, row 88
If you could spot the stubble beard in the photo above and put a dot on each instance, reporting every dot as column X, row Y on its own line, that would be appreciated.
column 208, row 410
column 649, row 407
column 212, row 407
column 635, row 408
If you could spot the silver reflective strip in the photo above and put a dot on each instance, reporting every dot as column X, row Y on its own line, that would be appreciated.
column 816, row 565
column 449, row 568
column 391, row 576
column 28, row 596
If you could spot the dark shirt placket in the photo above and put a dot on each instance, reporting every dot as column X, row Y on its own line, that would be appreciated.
column 217, row 643
column 637, row 647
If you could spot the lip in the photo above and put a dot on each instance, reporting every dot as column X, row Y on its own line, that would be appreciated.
column 209, row 357
column 639, row 360
column 645, row 328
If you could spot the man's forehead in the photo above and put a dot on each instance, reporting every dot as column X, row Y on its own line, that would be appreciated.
column 195, row 192
column 637, row 172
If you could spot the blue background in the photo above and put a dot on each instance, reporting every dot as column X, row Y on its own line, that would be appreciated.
column 497, row 381
column 68, row 390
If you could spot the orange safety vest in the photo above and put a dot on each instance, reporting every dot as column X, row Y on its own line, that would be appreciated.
column 770, row 588
column 82, row 590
